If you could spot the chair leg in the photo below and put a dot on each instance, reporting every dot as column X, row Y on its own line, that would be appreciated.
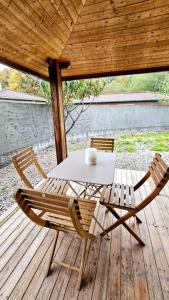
column 82, row 263
column 52, row 252
column 138, row 219
column 121, row 223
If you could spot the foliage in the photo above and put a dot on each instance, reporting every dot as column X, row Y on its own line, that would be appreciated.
column 21, row 82
column 152, row 82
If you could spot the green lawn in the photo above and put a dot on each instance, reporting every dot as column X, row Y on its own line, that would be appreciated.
column 154, row 141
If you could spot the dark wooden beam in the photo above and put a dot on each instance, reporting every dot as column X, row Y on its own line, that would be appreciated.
column 116, row 73
column 63, row 64
column 58, row 109
column 22, row 68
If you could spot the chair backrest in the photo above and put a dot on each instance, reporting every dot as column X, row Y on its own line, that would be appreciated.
column 74, row 212
column 159, row 172
column 101, row 143
column 23, row 160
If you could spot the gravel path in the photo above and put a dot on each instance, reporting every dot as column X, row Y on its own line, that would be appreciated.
column 9, row 180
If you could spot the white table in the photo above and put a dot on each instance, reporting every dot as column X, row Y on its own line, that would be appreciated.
column 73, row 168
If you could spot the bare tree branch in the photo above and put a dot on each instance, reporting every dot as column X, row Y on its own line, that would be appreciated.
column 74, row 119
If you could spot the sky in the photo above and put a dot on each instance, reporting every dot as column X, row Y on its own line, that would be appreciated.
column 2, row 67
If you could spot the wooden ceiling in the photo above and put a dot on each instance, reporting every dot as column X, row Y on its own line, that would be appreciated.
column 96, row 36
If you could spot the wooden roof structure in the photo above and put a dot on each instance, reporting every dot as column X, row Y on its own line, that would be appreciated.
column 97, row 37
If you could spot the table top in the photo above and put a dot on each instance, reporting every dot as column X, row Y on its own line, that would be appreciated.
column 73, row 168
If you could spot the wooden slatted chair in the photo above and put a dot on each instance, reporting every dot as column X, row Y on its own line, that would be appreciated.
column 123, row 196
column 61, row 213
column 26, row 158
column 103, row 144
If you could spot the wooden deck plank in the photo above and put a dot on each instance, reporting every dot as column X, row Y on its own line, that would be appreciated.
column 153, row 281
column 127, row 267
column 160, row 258
column 116, row 269
column 100, row 291
column 140, row 276
column 39, row 275
column 30, row 271
column 64, row 275
column 17, row 273
column 49, row 282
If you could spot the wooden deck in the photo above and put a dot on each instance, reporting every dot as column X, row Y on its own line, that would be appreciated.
column 116, row 269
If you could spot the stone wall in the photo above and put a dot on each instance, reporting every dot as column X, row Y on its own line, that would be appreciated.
column 102, row 119
column 22, row 125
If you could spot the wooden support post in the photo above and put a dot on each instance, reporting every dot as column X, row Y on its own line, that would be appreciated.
column 58, row 107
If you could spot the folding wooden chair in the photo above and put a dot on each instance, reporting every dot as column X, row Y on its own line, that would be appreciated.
column 26, row 158
column 103, row 144
column 123, row 196
column 61, row 213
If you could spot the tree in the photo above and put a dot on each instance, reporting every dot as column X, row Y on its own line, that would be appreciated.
column 79, row 90
column 21, row 82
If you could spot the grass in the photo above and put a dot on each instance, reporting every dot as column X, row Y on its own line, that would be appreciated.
column 153, row 141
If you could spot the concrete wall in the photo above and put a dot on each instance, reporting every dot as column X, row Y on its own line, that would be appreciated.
column 102, row 119
column 22, row 125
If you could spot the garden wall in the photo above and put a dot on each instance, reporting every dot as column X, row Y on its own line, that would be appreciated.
column 23, row 124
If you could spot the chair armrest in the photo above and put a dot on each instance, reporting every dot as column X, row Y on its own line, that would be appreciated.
column 141, row 182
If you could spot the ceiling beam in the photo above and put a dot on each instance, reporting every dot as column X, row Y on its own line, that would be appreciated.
column 117, row 73
column 66, row 64
column 22, row 68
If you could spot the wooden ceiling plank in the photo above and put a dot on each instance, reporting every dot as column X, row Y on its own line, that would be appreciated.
column 71, row 9
column 17, row 29
column 114, row 62
column 134, row 69
column 97, row 61
column 23, row 68
column 116, row 36
column 77, row 5
column 159, row 34
column 23, row 41
column 149, row 45
column 18, row 52
column 13, row 56
column 125, row 10
column 30, row 16
column 107, row 14
column 39, row 14
column 63, row 12
column 118, row 10
column 119, row 3
column 137, row 18
column 55, row 17
column 121, row 52
column 41, row 35
column 119, row 42
column 123, row 66
column 126, row 33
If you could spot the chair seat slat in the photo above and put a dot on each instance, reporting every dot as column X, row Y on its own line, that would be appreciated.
column 121, row 192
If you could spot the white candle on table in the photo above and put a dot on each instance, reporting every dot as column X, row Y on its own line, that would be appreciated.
column 91, row 156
